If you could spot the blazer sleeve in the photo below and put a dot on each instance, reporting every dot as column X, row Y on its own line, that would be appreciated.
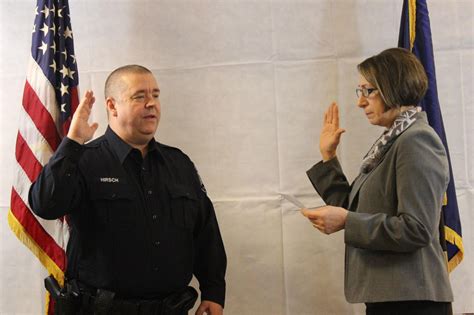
column 422, row 175
column 330, row 182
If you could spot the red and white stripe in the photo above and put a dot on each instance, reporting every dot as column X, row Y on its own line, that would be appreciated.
column 39, row 135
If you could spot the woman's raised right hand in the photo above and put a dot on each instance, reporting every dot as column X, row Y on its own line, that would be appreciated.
column 330, row 133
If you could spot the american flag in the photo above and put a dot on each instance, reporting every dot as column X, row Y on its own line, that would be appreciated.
column 49, row 99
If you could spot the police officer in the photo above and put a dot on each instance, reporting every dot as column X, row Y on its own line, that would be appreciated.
column 141, row 222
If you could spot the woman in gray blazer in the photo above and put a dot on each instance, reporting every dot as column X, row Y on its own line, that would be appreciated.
column 390, row 214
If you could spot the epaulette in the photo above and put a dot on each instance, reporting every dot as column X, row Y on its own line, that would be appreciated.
column 96, row 142
column 166, row 147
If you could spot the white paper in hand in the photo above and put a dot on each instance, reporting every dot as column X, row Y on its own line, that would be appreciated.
column 294, row 201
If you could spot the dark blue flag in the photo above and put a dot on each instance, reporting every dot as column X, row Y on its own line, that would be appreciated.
column 415, row 35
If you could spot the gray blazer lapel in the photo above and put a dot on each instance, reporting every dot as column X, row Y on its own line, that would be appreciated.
column 360, row 179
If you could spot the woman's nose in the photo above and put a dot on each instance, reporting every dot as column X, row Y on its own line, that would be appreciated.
column 362, row 101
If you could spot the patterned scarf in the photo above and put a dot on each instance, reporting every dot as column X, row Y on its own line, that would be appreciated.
column 385, row 141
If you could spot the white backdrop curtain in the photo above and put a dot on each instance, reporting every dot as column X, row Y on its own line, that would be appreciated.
column 244, row 87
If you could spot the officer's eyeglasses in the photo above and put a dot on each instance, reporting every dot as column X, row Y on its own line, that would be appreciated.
column 364, row 91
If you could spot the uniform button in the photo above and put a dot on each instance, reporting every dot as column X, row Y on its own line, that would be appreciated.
column 150, row 192
column 68, row 174
column 157, row 243
column 144, row 168
column 155, row 217
column 155, row 268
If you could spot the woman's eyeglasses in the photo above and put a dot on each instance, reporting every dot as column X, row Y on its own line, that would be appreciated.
column 364, row 91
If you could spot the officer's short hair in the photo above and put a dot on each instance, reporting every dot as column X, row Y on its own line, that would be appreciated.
column 113, row 80
column 398, row 75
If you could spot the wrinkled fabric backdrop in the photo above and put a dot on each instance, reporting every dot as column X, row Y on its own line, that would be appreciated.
column 244, row 88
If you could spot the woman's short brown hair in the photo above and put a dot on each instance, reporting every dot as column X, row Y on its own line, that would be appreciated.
column 398, row 76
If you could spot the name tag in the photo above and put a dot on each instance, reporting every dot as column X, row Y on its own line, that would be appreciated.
column 109, row 180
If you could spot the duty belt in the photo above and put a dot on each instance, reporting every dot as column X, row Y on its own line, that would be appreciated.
column 77, row 299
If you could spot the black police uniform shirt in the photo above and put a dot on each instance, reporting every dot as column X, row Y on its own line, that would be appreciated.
column 140, row 227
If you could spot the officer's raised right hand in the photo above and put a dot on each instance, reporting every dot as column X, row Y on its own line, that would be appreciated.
column 80, row 130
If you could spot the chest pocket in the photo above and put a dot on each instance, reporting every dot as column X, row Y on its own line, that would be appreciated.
column 114, row 204
column 184, row 205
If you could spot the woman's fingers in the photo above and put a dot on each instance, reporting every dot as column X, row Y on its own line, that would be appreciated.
column 335, row 115
column 330, row 113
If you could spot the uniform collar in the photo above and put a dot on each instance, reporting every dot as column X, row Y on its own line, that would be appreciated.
column 123, row 149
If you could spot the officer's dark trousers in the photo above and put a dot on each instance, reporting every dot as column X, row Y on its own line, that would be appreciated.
column 129, row 307
column 124, row 312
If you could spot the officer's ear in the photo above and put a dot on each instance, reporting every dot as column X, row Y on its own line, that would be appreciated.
column 111, row 107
